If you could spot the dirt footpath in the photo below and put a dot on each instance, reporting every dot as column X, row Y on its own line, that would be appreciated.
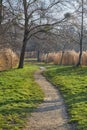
column 51, row 114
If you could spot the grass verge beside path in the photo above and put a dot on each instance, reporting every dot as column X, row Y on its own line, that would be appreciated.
column 19, row 95
column 72, row 82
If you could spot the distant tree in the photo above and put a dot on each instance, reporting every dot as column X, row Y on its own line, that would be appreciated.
column 78, row 23
column 9, row 27
column 81, row 33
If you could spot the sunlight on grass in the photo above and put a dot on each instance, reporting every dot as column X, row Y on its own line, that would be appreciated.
column 19, row 95
column 72, row 82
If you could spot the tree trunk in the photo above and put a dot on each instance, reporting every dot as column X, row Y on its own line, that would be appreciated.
column 21, row 61
column 80, row 55
column 0, row 11
column 81, row 38
column 47, row 58
column 38, row 56
column 62, row 57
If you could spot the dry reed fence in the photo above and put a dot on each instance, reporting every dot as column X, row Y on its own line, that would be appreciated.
column 8, row 59
column 66, row 58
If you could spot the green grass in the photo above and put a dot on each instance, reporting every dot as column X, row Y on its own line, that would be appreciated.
column 72, row 82
column 19, row 95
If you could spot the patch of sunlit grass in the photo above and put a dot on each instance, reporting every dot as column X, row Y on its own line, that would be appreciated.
column 72, row 82
column 19, row 95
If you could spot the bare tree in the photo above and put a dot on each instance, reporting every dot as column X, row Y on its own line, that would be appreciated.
column 78, row 23
column 36, row 17
column 81, row 33
column 31, row 25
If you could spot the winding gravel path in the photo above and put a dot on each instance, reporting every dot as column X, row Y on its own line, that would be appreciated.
column 51, row 114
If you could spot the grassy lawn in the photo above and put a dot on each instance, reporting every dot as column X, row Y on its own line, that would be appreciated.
column 72, row 83
column 19, row 95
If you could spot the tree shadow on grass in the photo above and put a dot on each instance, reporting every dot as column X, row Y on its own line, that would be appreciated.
column 27, row 106
column 18, row 106
column 70, row 70
column 78, row 97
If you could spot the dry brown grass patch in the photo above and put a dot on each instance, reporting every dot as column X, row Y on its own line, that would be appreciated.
column 68, row 57
column 8, row 59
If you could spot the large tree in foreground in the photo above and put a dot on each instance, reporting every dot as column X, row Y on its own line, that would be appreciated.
column 34, row 12
column 36, row 16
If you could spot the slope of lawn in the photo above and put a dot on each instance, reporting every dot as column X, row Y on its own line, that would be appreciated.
column 72, row 83
column 19, row 95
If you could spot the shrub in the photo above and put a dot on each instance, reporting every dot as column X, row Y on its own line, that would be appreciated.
column 84, row 58
column 8, row 59
column 65, row 58
column 57, row 57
